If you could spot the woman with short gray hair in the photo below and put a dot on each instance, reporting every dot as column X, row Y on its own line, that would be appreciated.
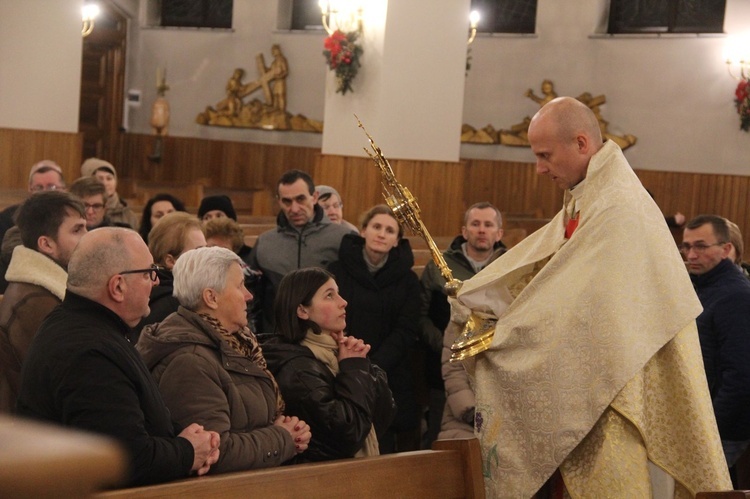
column 211, row 370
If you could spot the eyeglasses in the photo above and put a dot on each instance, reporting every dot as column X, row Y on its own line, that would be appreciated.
column 95, row 206
column 151, row 272
column 48, row 187
column 699, row 248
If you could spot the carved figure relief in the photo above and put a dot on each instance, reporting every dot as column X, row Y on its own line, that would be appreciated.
column 517, row 135
column 268, row 114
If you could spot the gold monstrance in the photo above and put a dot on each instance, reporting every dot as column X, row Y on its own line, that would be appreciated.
column 478, row 331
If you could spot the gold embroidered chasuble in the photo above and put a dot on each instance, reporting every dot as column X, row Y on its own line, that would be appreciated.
column 595, row 366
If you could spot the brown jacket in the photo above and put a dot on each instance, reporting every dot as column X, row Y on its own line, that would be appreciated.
column 118, row 212
column 36, row 286
column 204, row 381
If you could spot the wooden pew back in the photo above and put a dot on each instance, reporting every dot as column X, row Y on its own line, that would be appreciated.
column 453, row 469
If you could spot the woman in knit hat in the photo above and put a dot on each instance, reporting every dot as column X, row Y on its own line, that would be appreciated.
column 117, row 209
column 330, row 201
column 216, row 207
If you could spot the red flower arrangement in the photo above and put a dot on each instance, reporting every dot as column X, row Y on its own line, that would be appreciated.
column 742, row 100
column 342, row 54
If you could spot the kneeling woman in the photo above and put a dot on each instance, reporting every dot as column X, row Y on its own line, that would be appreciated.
column 210, row 369
column 324, row 375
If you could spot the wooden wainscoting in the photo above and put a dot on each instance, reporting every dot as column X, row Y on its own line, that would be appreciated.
column 437, row 186
column 19, row 149
column 443, row 190
column 701, row 193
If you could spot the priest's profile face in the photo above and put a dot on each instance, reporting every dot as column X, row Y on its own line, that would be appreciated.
column 558, row 156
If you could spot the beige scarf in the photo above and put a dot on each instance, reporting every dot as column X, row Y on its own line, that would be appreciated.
column 325, row 348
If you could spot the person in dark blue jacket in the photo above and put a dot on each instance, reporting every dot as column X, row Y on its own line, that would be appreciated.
column 723, row 327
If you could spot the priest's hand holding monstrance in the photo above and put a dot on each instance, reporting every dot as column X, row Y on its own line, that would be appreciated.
column 478, row 330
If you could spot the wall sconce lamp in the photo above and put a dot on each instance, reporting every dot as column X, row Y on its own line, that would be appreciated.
column 89, row 11
column 473, row 21
column 737, row 56
column 343, row 15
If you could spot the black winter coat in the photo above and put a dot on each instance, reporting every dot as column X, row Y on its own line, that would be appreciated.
column 80, row 371
column 161, row 302
column 383, row 311
column 339, row 409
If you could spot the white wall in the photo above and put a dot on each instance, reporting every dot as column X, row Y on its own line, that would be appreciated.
column 40, row 64
column 673, row 93
column 199, row 63
column 406, row 71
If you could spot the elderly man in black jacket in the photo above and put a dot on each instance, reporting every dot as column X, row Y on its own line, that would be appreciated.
column 82, row 372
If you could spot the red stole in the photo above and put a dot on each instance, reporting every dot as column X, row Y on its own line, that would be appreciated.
column 572, row 225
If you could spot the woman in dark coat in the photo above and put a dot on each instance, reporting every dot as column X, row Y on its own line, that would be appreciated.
column 324, row 375
column 374, row 275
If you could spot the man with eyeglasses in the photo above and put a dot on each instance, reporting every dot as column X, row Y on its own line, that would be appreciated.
column 82, row 372
column 91, row 191
column 45, row 175
column 333, row 206
column 723, row 327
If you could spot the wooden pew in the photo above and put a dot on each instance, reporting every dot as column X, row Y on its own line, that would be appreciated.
column 452, row 469
column 729, row 494
column 39, row 460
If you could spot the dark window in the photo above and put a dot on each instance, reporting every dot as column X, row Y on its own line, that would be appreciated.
column 666, row 16
column 306, row 14
column 197, row 13
column 506, row 16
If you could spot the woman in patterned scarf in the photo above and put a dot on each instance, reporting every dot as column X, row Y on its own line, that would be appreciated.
column 210, row 368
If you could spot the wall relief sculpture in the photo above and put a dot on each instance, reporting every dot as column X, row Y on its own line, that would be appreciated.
column 517, row 135
column 269, row 113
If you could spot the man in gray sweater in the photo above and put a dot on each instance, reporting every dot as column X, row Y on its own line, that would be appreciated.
column 303, row 237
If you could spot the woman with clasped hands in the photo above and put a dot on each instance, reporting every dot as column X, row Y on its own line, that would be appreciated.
column 210, row 368
column 325, row 375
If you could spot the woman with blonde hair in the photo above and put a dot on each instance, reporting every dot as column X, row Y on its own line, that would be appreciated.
column 176, row 233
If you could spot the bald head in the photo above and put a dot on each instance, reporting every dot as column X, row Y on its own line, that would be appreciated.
column 564, row 135
column 571, row 117
column 99, row 255
column 111, row 266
